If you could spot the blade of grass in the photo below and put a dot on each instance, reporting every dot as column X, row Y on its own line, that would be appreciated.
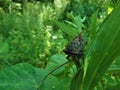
column 101, row 51
column 104, row 48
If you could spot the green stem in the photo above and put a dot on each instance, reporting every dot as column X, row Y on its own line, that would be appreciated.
column 41, row 82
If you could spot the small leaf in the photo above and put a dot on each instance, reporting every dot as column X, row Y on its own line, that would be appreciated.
column 78, row 22
column 67, row 29
column 115, row 67
column 4, row 47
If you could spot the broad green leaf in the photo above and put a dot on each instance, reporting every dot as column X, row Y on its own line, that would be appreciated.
column 24, row 76
column 18, row 77
column 103, row 50
column 64, row 84
column 55, row 61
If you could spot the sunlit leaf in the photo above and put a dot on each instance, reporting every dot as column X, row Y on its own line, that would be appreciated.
column 67, row 29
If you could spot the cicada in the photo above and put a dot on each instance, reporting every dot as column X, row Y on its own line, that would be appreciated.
column 75, row 49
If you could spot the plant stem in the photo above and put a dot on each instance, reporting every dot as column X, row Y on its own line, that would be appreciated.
column 41, row 82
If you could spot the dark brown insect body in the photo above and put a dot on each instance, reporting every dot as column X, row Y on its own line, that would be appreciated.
column 75, row 49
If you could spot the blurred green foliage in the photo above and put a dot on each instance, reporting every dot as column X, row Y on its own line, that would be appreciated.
column 30, row 34
column 37, row 31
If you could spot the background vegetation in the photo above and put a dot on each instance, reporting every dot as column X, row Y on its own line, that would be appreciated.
column 33, row 34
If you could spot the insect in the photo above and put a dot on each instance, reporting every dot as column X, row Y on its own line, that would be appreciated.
column 75, row 49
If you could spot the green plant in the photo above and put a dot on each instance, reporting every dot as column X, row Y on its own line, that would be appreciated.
column 38, row 35
column 100, row 53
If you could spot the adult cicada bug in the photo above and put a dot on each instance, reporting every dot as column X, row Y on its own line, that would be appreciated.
column 75, row 49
